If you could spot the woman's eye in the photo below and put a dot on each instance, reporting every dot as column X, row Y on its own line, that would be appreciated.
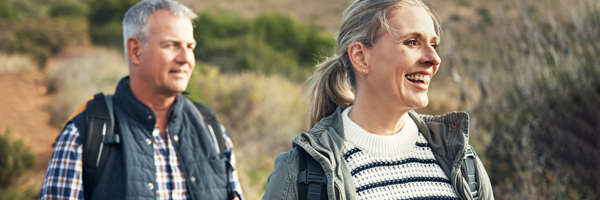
column 411, row 42
column 434, row 45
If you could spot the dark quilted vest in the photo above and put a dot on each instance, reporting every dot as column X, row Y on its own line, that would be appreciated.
column 130, row 168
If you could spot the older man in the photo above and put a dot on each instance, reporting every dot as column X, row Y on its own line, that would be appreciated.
column 157, row 144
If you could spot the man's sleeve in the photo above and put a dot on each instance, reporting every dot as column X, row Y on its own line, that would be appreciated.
column 64, row 178
column 230, row 156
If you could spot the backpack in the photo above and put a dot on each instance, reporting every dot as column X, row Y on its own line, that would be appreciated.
column 312, row 182
column 101, row 137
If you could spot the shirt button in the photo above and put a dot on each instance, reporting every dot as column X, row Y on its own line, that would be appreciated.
column 175, row 138
column 151, row 186
column 149, row 117
column 149, row 141
column 193, row 179
column 156, row 132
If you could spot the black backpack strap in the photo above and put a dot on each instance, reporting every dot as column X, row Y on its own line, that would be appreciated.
column 469, row 171
column 211, row 125
column 312, row 182
column 213, row 128
column 98, row 140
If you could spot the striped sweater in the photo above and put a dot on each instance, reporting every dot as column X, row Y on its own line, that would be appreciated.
column 400, row 166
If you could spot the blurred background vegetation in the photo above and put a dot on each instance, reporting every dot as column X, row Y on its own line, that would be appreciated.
column 526, row 71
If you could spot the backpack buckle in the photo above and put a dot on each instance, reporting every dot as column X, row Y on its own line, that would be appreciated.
column 112, row 139
column 308, row 177
column 469, row 153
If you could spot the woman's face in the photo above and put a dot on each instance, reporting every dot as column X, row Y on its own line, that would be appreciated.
column 402, row 62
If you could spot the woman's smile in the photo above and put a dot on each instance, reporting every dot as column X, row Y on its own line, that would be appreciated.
column 420, row 81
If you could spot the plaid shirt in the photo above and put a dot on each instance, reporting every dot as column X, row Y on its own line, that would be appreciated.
column 64, row 176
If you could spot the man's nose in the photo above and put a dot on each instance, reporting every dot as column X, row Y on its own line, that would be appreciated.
column 185, row 55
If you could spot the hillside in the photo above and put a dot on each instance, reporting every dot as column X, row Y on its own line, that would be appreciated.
column 525, row 71
column 325, row 13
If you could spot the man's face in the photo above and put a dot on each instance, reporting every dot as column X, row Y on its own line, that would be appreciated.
column 167, row 59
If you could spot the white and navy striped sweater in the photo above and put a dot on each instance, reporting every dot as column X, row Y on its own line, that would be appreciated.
column 400, row 166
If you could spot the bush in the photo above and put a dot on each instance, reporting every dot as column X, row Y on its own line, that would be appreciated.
column 105, row 18
column 15, row 160
column 41, row 38
column 308, row 42
column 534, row 97
column 271, row 43
column 7, row 11
column 69, row 8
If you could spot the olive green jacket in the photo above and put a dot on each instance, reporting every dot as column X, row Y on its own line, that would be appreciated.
column 446, row 134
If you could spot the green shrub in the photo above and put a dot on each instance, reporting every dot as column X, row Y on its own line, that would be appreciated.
column 7, row 11
column 41, row 38
column 109, row 34
column 69, row 8
column 15, row 160
column 271, row 43
column 308, row 42
column 105, row 18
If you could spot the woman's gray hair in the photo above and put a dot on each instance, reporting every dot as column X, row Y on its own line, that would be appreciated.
column 135, row 22
column 334, row 83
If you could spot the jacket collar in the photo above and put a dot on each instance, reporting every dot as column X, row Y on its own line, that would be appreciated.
column 139, row 111
column 458, row 121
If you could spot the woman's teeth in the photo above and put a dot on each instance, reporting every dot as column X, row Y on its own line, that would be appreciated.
column 423, row 79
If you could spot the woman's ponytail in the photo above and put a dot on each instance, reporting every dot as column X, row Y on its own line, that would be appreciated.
column 328, row 89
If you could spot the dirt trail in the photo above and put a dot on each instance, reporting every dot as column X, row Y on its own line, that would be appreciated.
column 23, row 109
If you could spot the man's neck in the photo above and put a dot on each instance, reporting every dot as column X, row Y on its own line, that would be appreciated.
column 160, row 103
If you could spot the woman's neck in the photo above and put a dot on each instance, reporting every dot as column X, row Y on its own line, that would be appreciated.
column 378, row 118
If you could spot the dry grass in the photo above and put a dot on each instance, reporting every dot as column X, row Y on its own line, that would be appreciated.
column 76, row 76
column 16, row 64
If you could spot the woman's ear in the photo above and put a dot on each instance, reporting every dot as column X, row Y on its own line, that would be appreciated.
column 356, row 53
column 134, row 48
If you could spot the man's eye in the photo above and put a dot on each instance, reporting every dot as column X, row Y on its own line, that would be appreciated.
column 434, row 45
column 411, row 42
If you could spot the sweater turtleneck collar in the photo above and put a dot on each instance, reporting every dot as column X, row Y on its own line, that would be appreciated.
column 393, row 145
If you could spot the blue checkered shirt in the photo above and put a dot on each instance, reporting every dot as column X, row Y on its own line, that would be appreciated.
column 64, row 176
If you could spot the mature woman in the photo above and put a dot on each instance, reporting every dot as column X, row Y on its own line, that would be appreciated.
column 366, row 141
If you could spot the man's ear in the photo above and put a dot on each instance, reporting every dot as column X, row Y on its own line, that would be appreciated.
column 357, row 55
column 134, row 48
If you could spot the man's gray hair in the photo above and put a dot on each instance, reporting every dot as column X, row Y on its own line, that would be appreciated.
column 135, row 22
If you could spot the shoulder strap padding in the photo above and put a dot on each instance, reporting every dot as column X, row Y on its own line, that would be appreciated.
column 98, row 141
column 312, row 182
column 469, row 171
column 211, row 124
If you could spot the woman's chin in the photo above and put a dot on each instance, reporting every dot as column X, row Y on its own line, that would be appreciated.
column 417, row 103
